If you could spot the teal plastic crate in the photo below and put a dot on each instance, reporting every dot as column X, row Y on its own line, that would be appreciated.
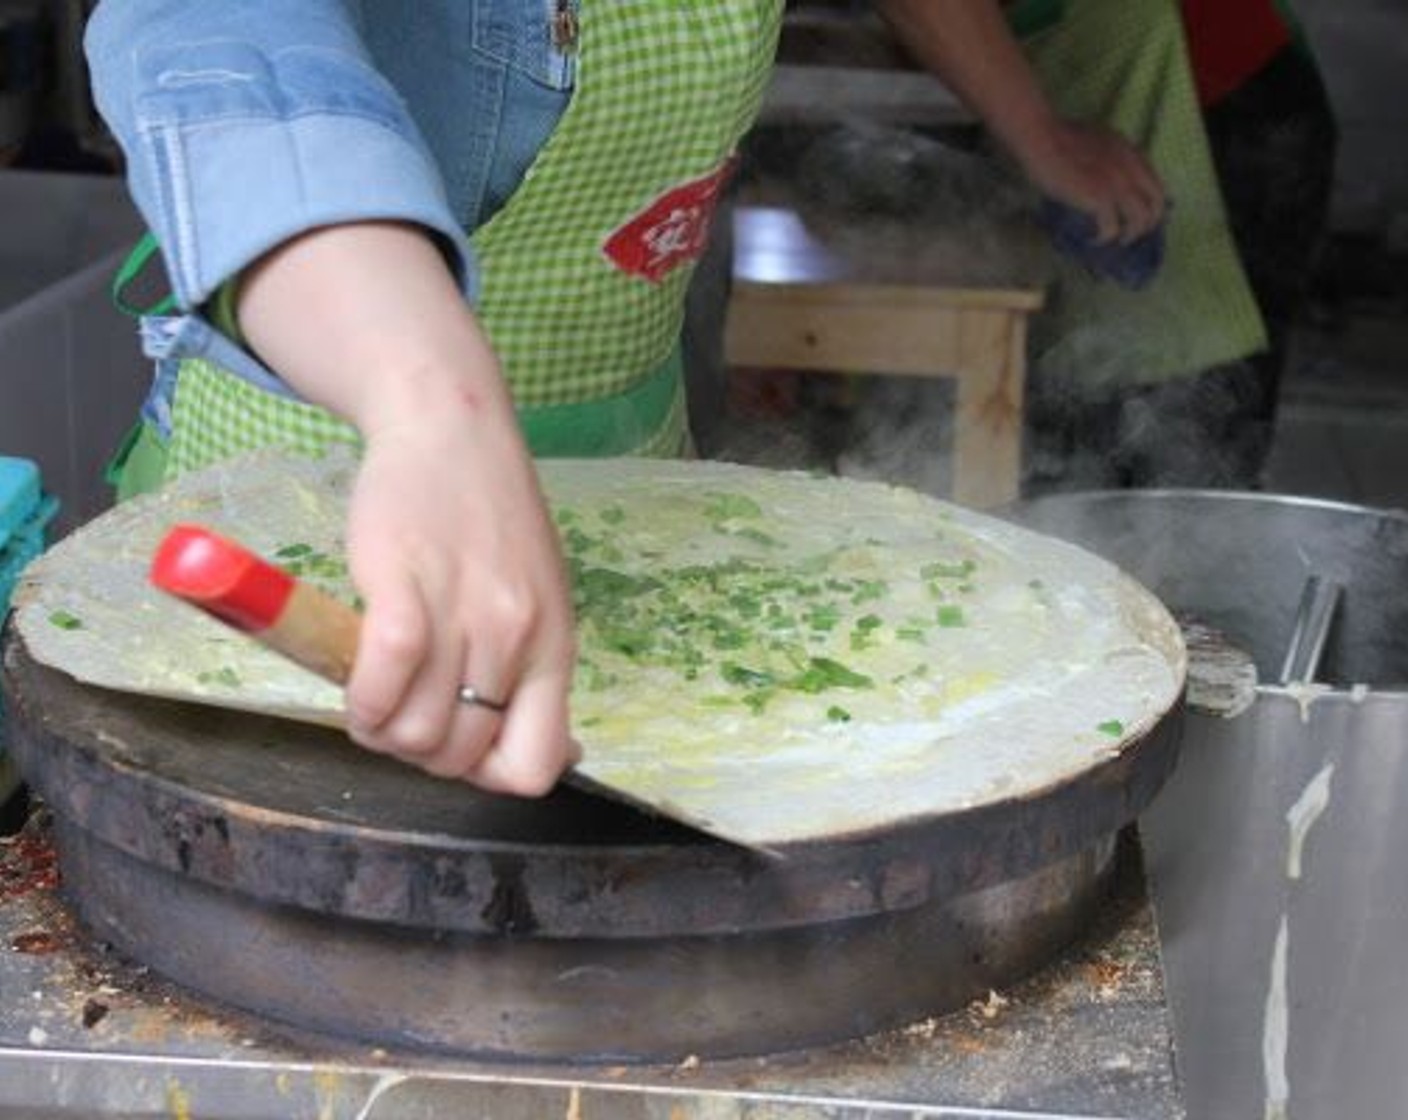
column 25, row 513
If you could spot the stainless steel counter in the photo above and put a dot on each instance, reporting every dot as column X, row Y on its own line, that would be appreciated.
column 86, row 1033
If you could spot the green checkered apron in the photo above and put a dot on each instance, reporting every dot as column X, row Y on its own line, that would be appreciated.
column 1124, row 63
column 585, row 268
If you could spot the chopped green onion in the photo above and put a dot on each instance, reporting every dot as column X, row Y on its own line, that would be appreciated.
column 939, row 570
column 726, row 507
column 823, row 673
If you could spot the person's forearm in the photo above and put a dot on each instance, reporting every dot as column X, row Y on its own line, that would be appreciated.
column 449, row 541
column 967, row 45
column 366, row 320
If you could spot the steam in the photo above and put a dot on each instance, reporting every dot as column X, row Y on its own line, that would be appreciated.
column 1186, row 432
column 1240, row 563
column 903, row 207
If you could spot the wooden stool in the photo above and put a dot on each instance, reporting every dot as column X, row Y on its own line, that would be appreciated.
column 797, row 304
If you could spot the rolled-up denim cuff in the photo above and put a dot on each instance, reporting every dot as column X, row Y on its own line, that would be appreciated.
column 207, row 170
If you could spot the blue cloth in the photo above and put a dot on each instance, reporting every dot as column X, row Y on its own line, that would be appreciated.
column 1073, row 232
column 233, row 112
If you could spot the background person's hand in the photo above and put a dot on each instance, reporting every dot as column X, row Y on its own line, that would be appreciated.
column 449, row 540
column 1097, row 170
column 968, row 45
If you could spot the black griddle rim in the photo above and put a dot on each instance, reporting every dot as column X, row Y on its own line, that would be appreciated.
column 690, row 885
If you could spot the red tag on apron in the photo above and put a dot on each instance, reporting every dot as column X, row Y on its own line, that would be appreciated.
column 671, row 231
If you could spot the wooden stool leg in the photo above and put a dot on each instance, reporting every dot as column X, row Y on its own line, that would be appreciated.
column 988, row 433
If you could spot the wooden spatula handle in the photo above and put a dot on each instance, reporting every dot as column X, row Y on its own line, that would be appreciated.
column 317, row 631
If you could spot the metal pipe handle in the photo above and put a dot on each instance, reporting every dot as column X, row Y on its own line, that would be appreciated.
column 1319, row 603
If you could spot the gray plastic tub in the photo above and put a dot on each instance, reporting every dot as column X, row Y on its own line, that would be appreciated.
column 72, row 374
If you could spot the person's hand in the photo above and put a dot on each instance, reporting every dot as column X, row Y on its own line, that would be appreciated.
column 1096, row 170
column 458, row 563
column 969, row 46
column 449, row 540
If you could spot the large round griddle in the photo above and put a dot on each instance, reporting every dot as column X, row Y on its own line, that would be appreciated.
column 273, row 865
column 717, row 674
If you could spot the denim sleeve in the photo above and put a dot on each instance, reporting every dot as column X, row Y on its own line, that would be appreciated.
column 247, row 122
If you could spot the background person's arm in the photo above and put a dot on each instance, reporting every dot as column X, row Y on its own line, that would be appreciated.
column 969, row 47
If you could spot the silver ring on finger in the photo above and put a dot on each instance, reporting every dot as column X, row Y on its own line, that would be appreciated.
column 472, row 697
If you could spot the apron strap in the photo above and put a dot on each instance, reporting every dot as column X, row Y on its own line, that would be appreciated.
column 136, row 262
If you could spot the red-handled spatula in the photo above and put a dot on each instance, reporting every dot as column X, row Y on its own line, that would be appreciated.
column 310, row 627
